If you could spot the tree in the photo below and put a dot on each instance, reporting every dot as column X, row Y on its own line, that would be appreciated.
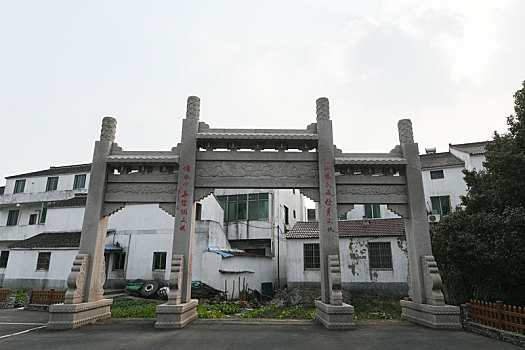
column 480, row 247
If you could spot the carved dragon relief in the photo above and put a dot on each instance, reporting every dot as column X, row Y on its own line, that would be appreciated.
column 76, row 281
column 175, row 282
column 256, row 170
column 371, row 190
column 432, row 281
column 334, row 280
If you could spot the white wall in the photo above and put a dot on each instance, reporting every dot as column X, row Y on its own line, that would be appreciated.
column 451, row 185
column 64, row 219
column 38, row 184
column 21, row 268
column 354, row 261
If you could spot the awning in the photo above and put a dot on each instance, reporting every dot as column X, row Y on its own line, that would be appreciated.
column 223, row 254
column 113, row 247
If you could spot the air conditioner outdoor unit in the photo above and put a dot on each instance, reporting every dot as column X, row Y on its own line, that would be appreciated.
column 433, row 218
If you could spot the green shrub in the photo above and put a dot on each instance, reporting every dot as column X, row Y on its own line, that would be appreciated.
column 20, row 298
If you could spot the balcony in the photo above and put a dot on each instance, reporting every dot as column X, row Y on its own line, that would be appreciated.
column 19, row 232
column 38, row 197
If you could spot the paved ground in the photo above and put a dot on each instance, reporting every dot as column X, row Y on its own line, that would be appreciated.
column 140, row 334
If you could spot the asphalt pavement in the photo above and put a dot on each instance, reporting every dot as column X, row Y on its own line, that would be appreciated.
column 21, row 329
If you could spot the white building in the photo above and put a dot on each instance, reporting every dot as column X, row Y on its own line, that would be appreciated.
column 373, row 256
column 41, row 216
column 442, row 175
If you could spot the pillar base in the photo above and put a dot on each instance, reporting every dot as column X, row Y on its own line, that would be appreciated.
column 69, row 316
column 176, row 316
column 433, row 316
column 335, row 317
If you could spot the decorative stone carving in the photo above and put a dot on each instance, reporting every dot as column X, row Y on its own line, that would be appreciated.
column 141, row 188
column 406, row 134
column 201, row 193
column 343, row 209
column 76, row 281
column 371, row 190
column 256, row 170
column 432, row 281
column 169, row 208
column 323, row 108
column 109, row 129
column 174, row 295
column 399, row 209
column 334, row 280
column 311, row 193
column 193, row 108
column 102, row 279
column 112, row 208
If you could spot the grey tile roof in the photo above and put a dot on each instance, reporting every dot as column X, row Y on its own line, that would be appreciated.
column 57, row 170
column 50, row 240
column 351, row 228
column 75, row 202
column 471, row 148
column 440, row 160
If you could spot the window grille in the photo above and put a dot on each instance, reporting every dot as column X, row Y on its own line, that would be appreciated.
column 380, row 255
column 311, row 256
column 42, row 263
column 159, row 261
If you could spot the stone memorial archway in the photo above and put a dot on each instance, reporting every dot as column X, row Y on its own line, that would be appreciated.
column 208, row 158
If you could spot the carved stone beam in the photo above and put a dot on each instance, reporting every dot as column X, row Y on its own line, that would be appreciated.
column 76, row 281
column 399, row 209
column 169, row 208
column 112, row 208
column 343, row 209
column 334, row 280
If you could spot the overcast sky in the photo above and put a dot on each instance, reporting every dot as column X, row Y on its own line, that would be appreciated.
column 450, row 66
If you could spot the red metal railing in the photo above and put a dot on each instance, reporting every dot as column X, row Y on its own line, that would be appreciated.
column 48, row 297
column 498, row 315
column 3, row 295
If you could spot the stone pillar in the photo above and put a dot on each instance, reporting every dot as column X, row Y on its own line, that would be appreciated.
column 180, row 308
column 427, row 305
column 331, row 311
column 84, row 301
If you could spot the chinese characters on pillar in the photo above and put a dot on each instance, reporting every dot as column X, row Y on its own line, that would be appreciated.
column 183, row 199
column 329, row 206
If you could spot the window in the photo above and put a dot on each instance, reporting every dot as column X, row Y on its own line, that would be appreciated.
column 244, row 206
column 80, row 181
column 159, row 261
column 52, row 183
column 198, row 211
column 286, row 215
column 440, row 205
column 372, row 211
column 33, row 218
column 19, row 186
column 43, row 214
column 310, row 213
column 312, row 259
column 42, row 264
column 294, row 215
column 380, row 255
column 119, row 261
column 437, row 174
column 12, row 217
column 4, row 256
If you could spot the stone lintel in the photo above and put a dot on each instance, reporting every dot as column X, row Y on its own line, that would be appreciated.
column 433, row 316
column 69, row 316
column 176, row 316
column 335, row 317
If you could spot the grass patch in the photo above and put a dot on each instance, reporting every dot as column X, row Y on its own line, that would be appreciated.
column 134, row 308
column 365, row 308
column 20, row 298
column 281, row 312
column 217, row 310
